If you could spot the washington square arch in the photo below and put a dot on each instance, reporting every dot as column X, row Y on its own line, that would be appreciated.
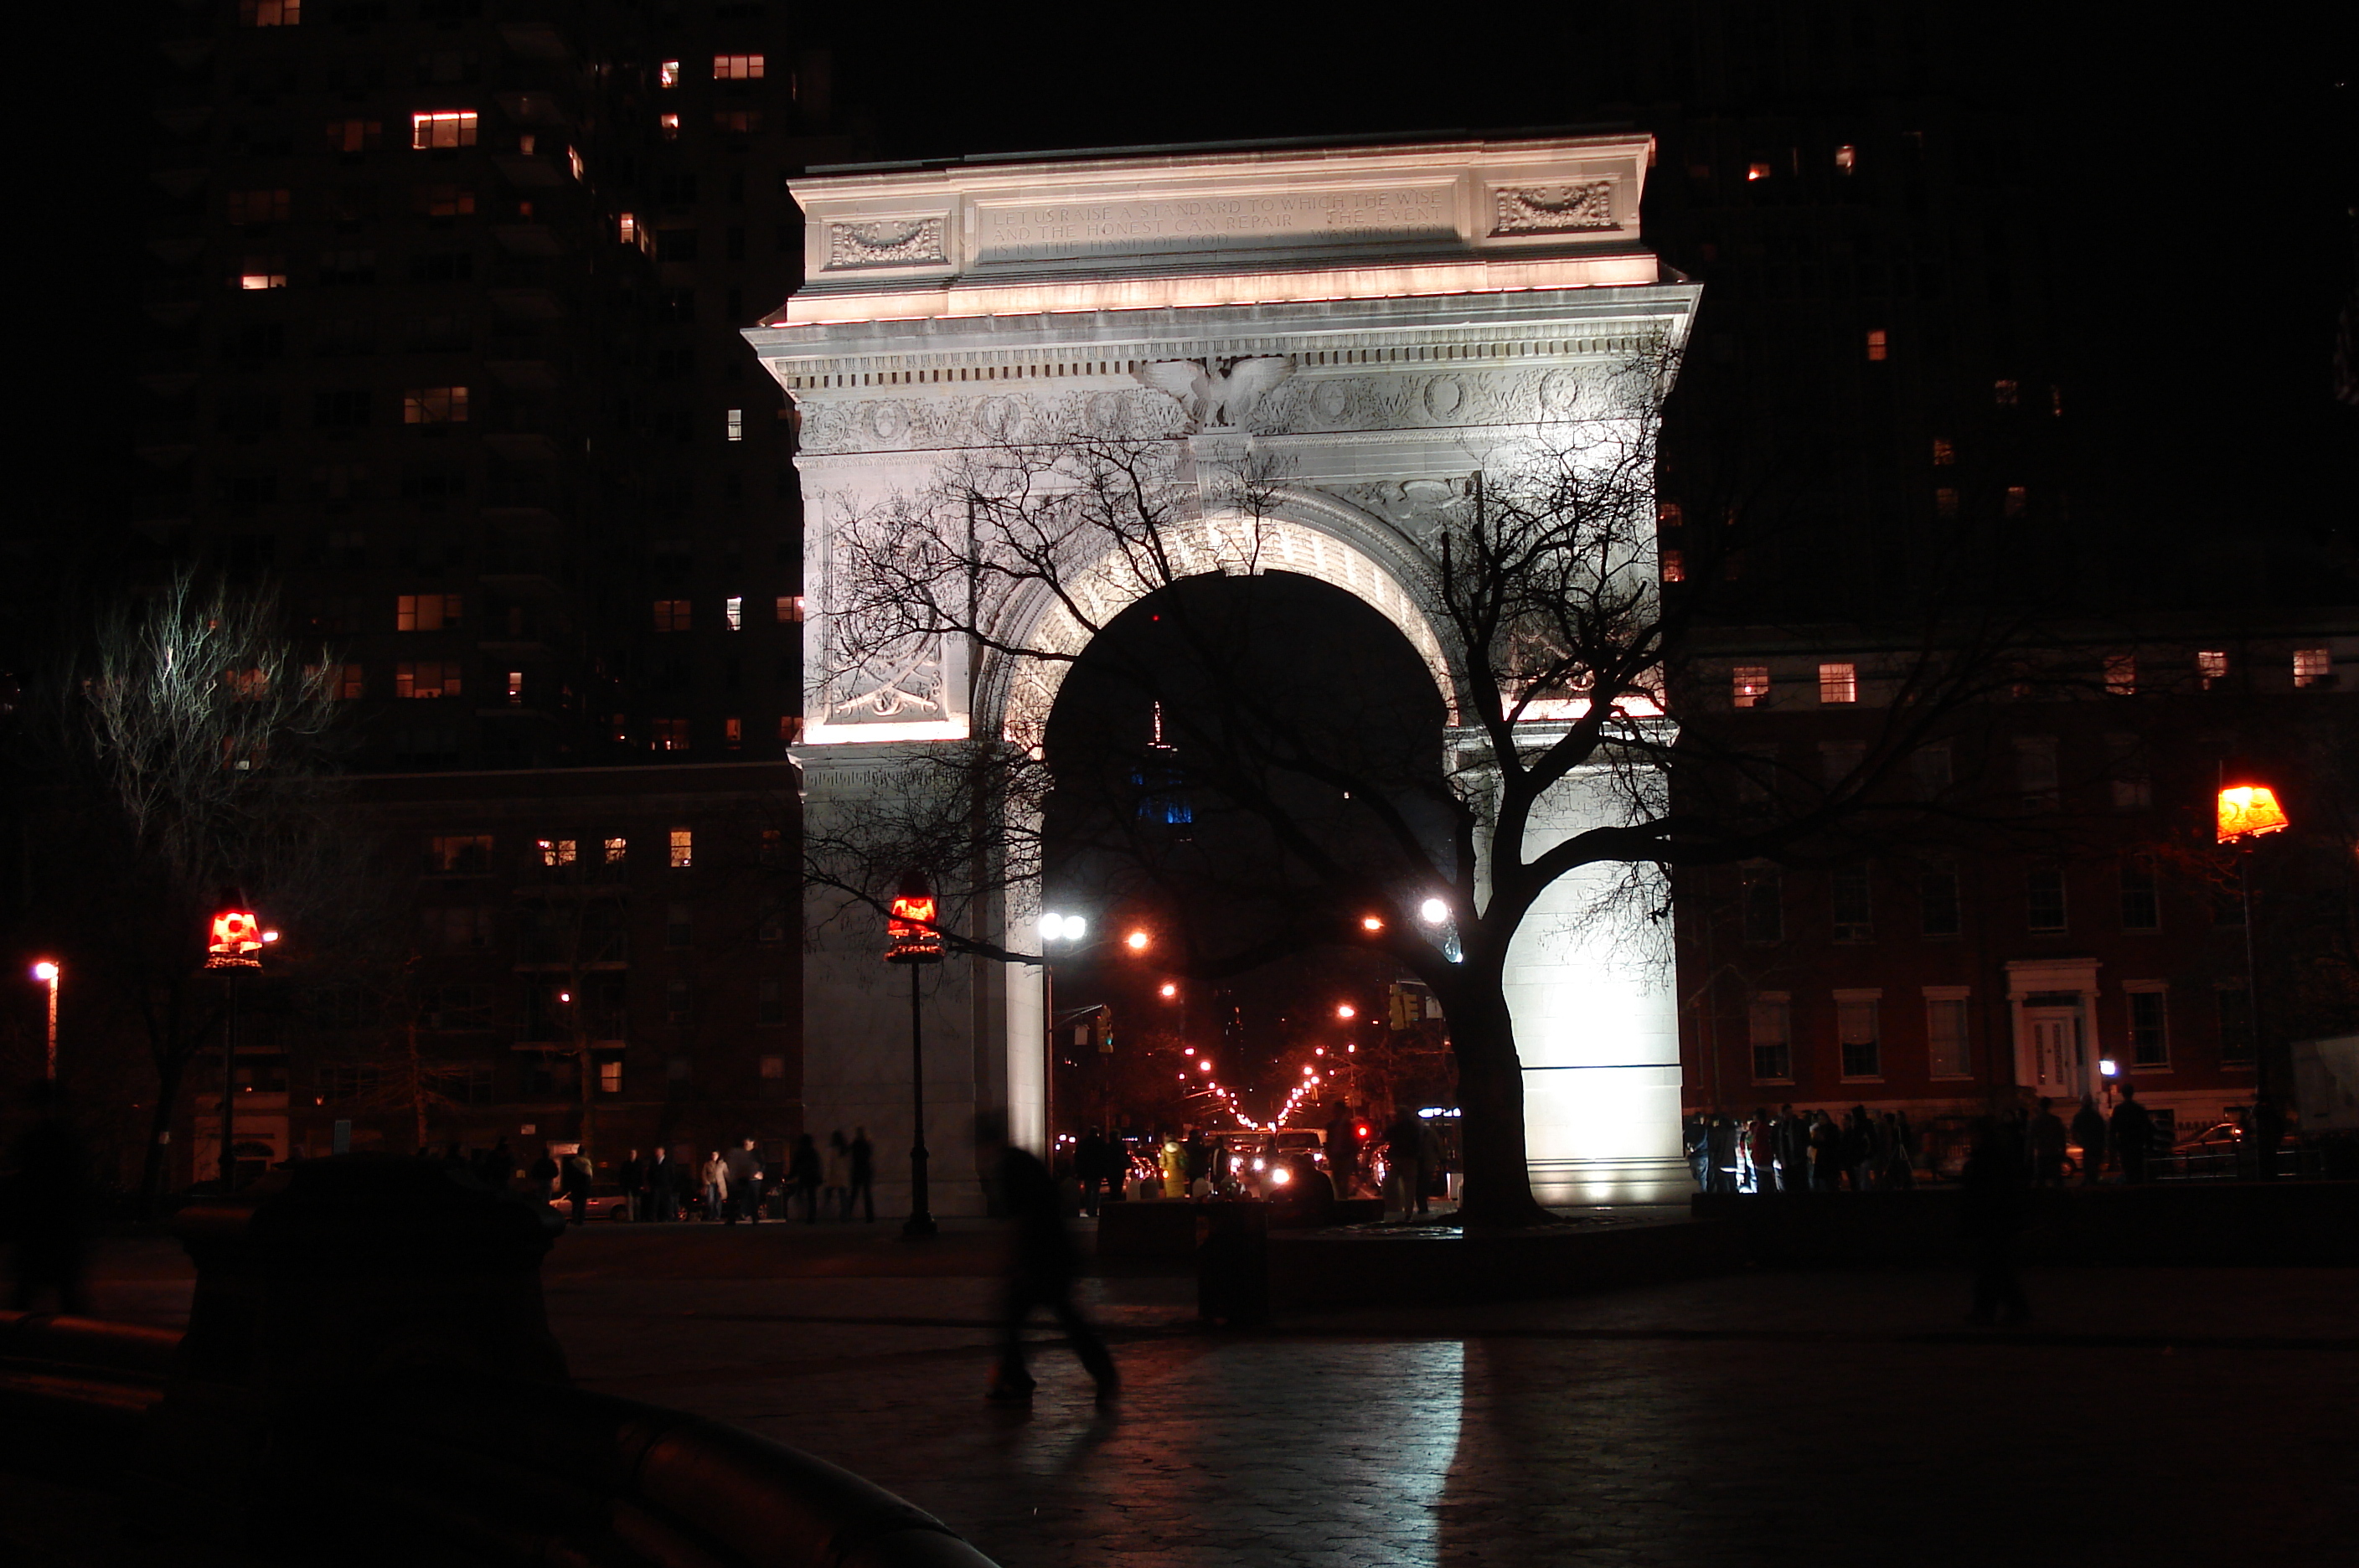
column 1359, row 320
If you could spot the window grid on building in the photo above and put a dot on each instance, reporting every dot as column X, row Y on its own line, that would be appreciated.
column 2121, row 674
column 1764, row 905
column 431, row 129
column 1938, row 912
column 1856, row 1034
column 1838, row 683
column 683, row 848
column 2044, row 898
column 2211, row 665
column 737, row 68
column 1852, row 895
column 1769, row 1030
column 1749, row 685
column 1948, row 1054
column 2150, row 1027
column 2141, row 900
column 670, row 615
column 2312, row 664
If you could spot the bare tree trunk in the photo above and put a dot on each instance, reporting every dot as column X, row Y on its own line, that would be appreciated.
column 1498, row 1183
column 153, row 1168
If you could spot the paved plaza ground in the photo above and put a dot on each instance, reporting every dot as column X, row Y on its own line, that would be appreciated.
column 2167, row 1415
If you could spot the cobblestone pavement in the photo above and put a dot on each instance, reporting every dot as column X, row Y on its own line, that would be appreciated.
column 2155, row 1416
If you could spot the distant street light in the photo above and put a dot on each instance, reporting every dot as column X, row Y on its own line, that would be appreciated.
column 1433, row 912
column 1168, row 990
column 2247, row 811
column 1345, row 1012
column 1137, row 941
column 1371, row 923
column 238, row 936
column 46, row 973
column 912, row 938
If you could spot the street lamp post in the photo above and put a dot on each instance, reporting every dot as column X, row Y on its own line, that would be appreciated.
column 236, row 938
column 47, row 971
column 913, row 938
column 1053, row 928
column 2247, row 811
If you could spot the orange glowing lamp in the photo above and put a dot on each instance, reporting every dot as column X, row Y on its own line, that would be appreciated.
column 236, row 938
column 2249, row 811
column 911, row 935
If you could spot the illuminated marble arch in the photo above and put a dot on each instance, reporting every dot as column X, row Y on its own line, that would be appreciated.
column 1368, row 324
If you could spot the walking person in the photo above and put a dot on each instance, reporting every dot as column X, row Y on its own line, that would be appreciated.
column 745, row 1163
column 1994, row 1215
column 1401, row 1141
column 835, row 1176
column 1040, row 1268
column 864, row 1177
column 803, row 1173
column 577, row 1183
column 663, row 1186
column 2046, row 1146
column 1090, row 1159
column 2133, row 1136
column 716, row 1179
column 2089, row 1132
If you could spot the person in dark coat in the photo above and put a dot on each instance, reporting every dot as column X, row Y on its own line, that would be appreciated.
column 49, row 1209
column 2047, row 1145
column 745, row 1163
column 1793, row 1151
column 2089, row 1132
column 543, row 1175
column 1090, row 1169
column 1342, row 1151
column 1993, row 1217
column 864, row 1177
column 1721, row 1142
column 663, row 1185
column 577, row 1184
column 803, row 1172
column 633, row 1175
column 2132, row 1134
column 1041, row 1266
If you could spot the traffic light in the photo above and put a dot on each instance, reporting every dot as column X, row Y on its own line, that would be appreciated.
column 1103, row 1019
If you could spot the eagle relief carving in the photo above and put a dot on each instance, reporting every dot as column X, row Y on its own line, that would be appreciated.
column 1217, row 393
column 1556, row 209
column 892, row 242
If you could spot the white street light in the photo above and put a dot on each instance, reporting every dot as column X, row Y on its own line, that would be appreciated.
column 1433, row 912
column 1063, row 928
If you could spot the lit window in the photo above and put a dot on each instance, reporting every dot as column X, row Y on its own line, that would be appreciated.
column 2209, row 666
column 1750, row 685
column 428, row 678
column 790, row 609
column 2006, row 393
column 1878, row 347
column 732, row 733
column 734, row 423
column 428, row 611
column 348, row 681
column 1945, row 502
column 2121, row 674
column 437, row 128
column 2150, row 1030
column 1757, row 171
column 1945, row 1034
column 627, row 229
column 434, row 406
column 516, row 688
column 2017, row 498
column 556, row 851
column 573, row 162
column 736, row 68
column 259, row 206
column 669, row 125
column 672, row 614
column 2312, row 664
column 683, row 848
column 354, row 136
column 459, row 853
column 669, row 734
column 668, row 73
column 772, row 1067
column 1944, row 454
column 733, row 609
column 1668, row 514
column 1674, row 567
column 610, row 1077
column 258, row 272
column 1855, row 1029
column 1838, row 683
column 1769, row 1028
column 1846, row 158
column 270, row 12
column 617, row 851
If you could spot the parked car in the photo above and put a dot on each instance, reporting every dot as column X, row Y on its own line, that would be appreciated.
column 607, row 1202
column 2218, row 1153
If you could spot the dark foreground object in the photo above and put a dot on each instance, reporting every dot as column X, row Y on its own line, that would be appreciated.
column 368, row 1365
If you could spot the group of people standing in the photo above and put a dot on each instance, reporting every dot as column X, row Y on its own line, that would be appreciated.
column 727, row 1185
column 1798, row 1152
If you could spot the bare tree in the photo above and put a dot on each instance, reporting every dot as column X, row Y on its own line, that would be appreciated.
column 1549, row 632
column 197, row 730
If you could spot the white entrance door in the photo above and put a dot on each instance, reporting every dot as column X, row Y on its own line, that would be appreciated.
column 2058, row 1053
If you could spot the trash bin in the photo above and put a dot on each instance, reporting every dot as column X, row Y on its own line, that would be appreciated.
column 1232, row 1262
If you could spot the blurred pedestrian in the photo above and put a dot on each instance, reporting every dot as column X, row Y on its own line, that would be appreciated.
column 864, row 1176
column 716, row 1179
column 47, row 1210
column 1040, row 1267
column 1402, row 1140
column 1722, row 1140
column 1793, row 1151
column 663, row 1186
column 2089, row 1132
column 543, row 1175
column 835, row 1175
column 1090, row 1163
column 633, row 1177
column 1342, row 1153
column 2046, row 1146
column 2132, row 1134
column 803, row 1175
column 1993, row 1217
column 745, row 1163
column 577, row 1183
